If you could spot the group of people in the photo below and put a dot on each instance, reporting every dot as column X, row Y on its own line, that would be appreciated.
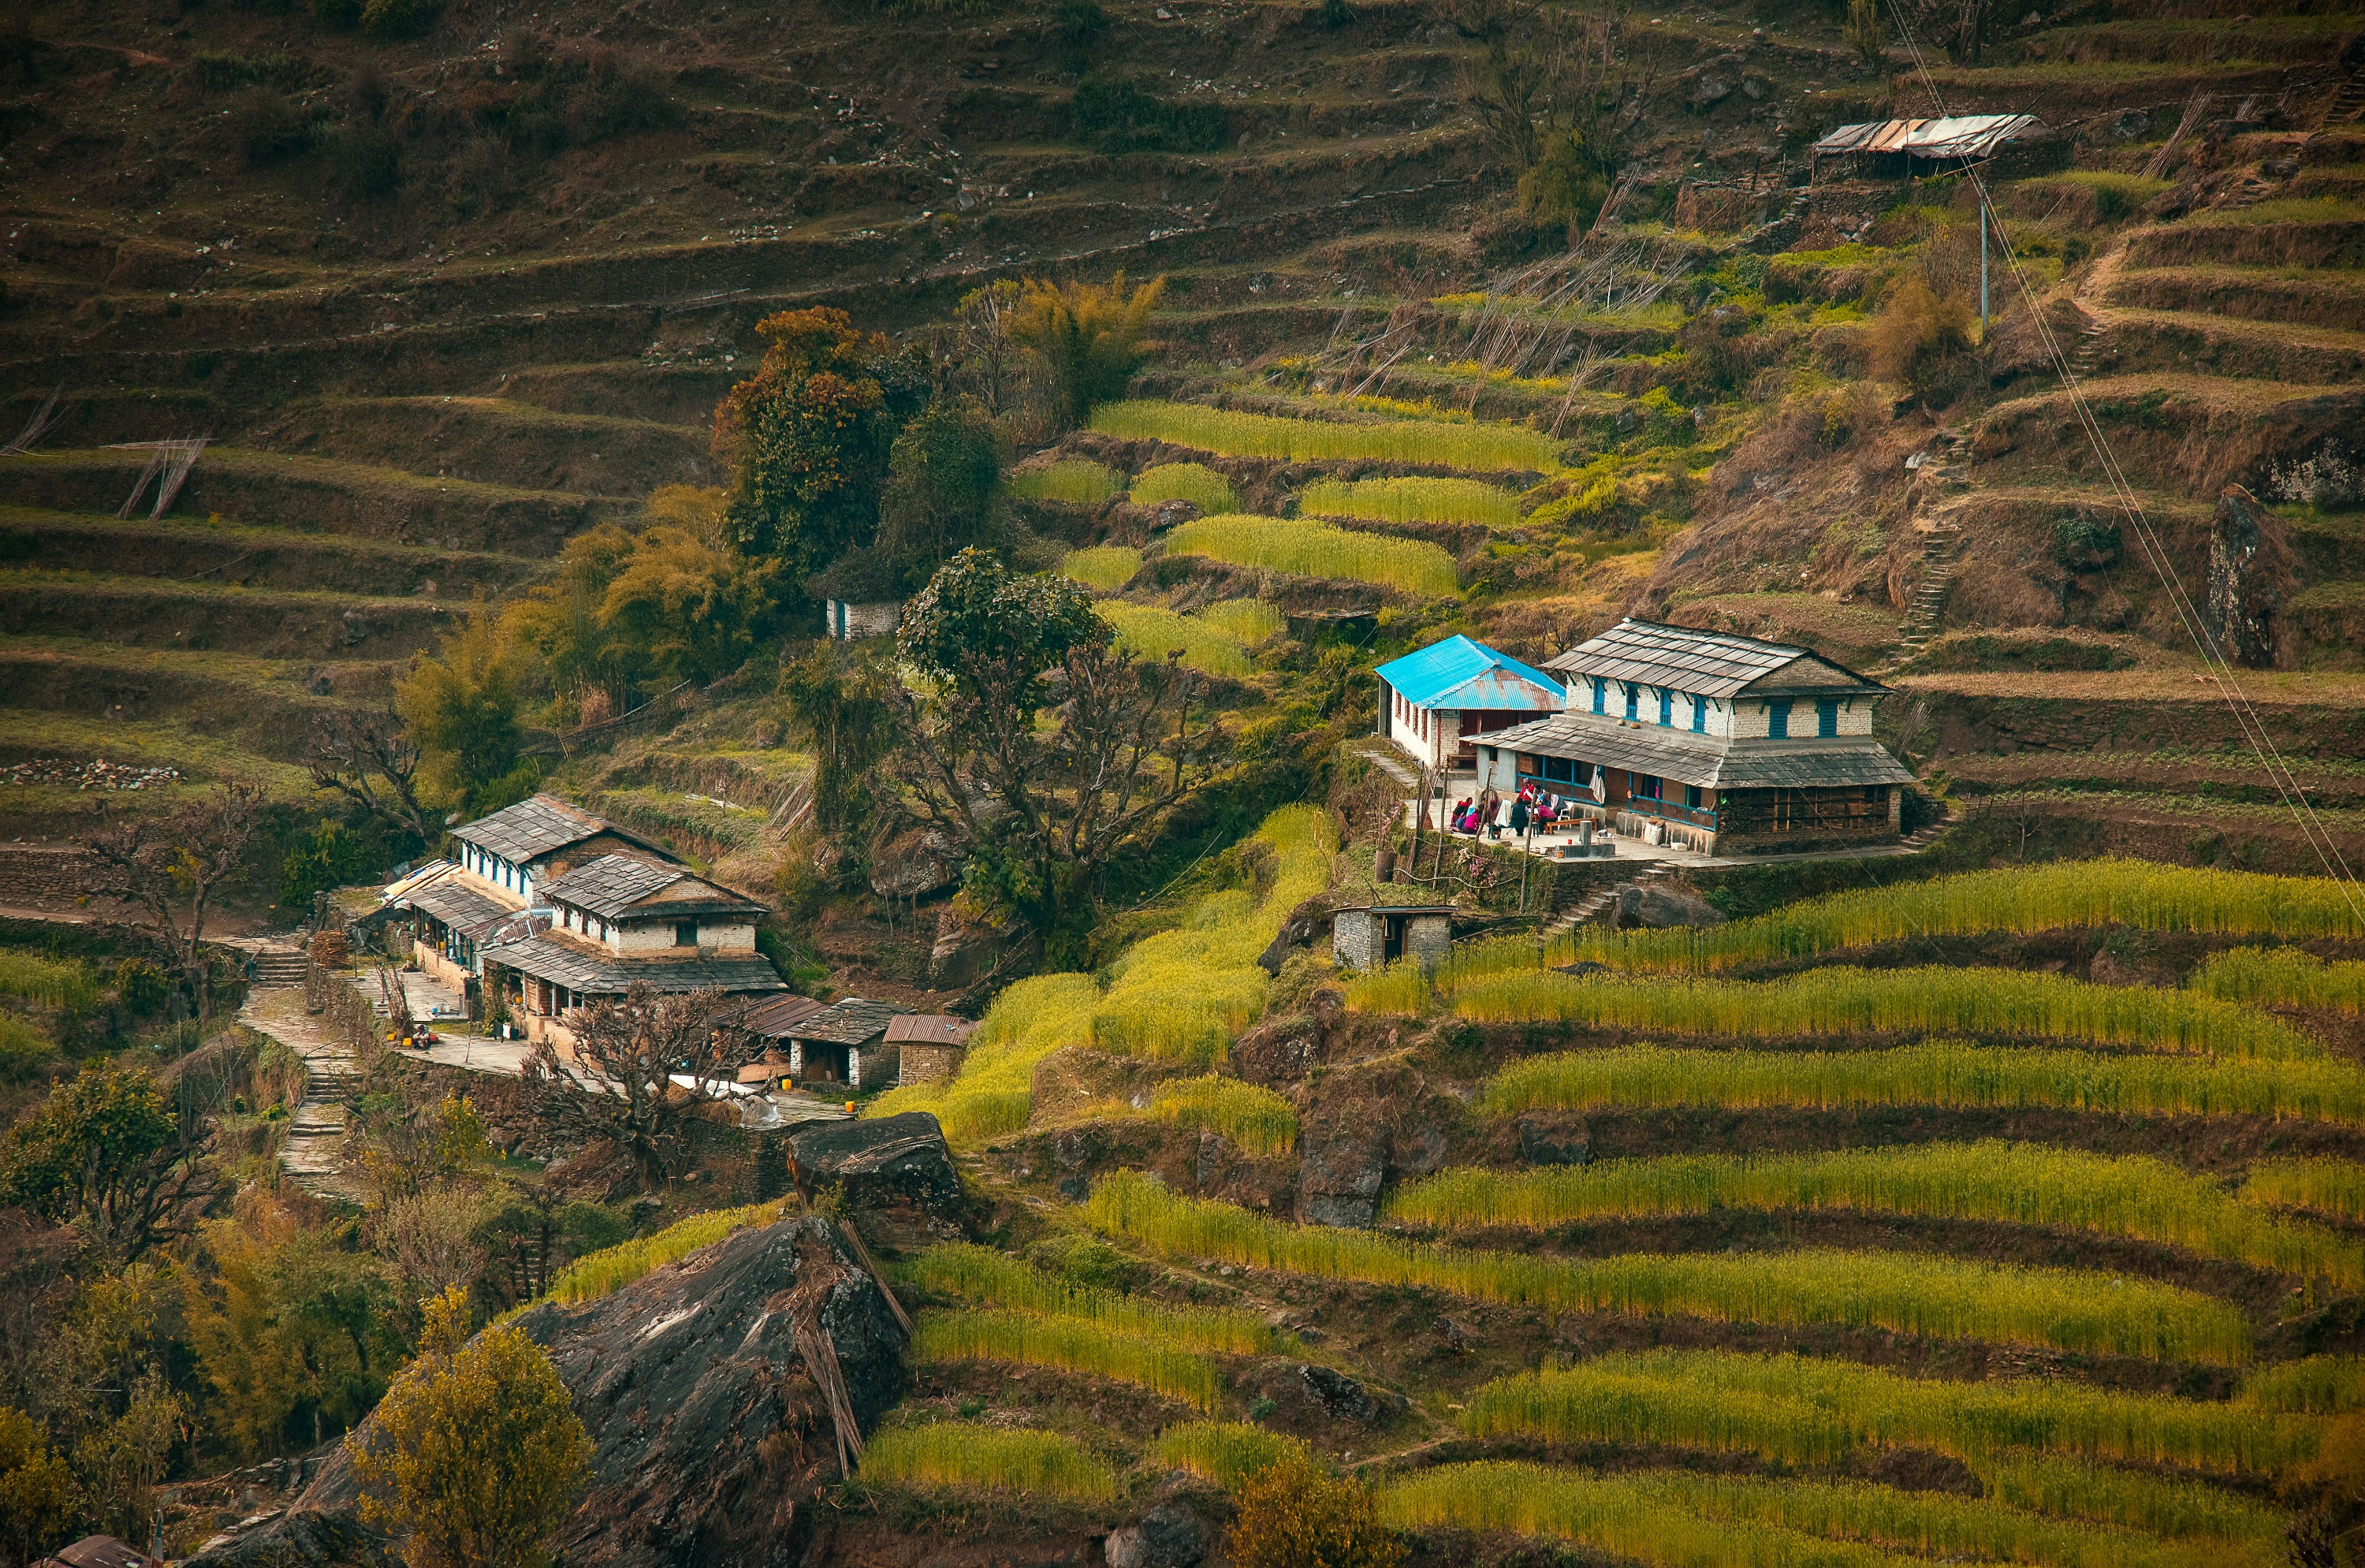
column 1490, row 813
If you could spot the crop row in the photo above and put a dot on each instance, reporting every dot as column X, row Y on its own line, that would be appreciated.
column 1845, row 1001
column 2283, row 977
column 957, row 1454
column 1254, row 1118
column 1934, row 1297
column 1317, row 549
column 1153, row 632
column 1069, row 1344
column 1107, row 567
column 1676, row 1520
column 1413, row 501
column 2020, row 898
column 996, row 1279
column 1474, row 448
column 1193, row 482
column 2128, row 1195
column 1947, row 1075
column 1079, row 481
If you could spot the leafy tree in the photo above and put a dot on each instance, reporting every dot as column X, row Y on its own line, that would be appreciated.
column 295, row 1334
column 944, row 485
column 39, row 1501
column 686, row 609
column 367, row 756
column 107, row 1154
column 1085, row 340
column 1042, row 808
column 1295, row 1514
column 1866, row 30
column 334, row 856
column 475, row 1453
column 173, row 867
column 461, row 709
column 839, row 702
column 807, row 437
column 618, row 1082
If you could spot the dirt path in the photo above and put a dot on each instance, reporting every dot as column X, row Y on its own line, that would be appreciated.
column 313, row 1152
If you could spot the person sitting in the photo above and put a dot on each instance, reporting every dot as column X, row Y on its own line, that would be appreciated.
column 1461, row 815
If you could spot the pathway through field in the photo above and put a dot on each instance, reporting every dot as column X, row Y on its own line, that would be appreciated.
column 313, row 1153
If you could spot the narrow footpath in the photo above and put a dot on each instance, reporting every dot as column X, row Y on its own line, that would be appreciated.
column 313, row 1152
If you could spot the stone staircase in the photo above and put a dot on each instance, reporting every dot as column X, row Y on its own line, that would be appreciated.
column 275, row 969
column 1941, row 543
column 1594, row 903
column 2348, row 103
column 2089, row 348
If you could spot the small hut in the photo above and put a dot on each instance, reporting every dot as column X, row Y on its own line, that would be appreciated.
column 1370, row 936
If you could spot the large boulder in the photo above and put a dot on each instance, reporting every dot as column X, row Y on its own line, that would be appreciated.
column 1658, row 907
column 1343, row 1164
column 1168, row 1536
column 2251, row 574
column 711, row 1437
column 897, row 1174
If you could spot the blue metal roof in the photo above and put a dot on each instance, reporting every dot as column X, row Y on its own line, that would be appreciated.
column 1459, row 673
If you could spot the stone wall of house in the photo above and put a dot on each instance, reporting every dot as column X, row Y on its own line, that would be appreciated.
column 1355, row 939
column 929, row 1063
column 1429, row 937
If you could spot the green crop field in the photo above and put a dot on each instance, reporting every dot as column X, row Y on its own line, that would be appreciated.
column 996, row 1279
column 1153, row 632
column 2281, row 977
column 1072, row 1345
column 1193, row 482
column 952, row 1454
column 1317, row 550
column 1413, row 501
column 1107, row 567
column 1076, row 480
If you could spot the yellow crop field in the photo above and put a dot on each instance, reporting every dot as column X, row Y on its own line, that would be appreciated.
column 952, row 1454
column 1930, row 1296
column 1311, row 549
column 1246, row 621
column 2281, row 977
column 1193, row 482
column 2335, row 1187
column 980, row 1274
column 1413, row 501
column 67, row 984
column 1107, row 567
column 1945, row 1074
column 2022, row 898
column 1474, row 448
column 1153, row 632
column 1257, row 1119
column 2127, row 1196
column 2321, row 1385
column 1222, row 1451
column 1070, row 1344
column 1851, row 1001
column 604, row 1272
column 1076, row 480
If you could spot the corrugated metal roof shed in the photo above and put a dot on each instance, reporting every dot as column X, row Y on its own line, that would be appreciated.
column 1958, row 136
column 1460, row 673
column 928, row 1028
column 774, row 1018
column 1712, row 663
column 532, row 828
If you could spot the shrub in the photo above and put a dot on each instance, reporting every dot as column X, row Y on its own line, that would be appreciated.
column 1193, row 482
column 1317, row 550
column 397, row 18
column 1076, row 480
column 24, row 1050
column 948, row 1455
column 268, row 126
column 1085, row 339
column 1294, row 1514
column 39, row 1499
column 1920, row 340
column 2115, row 194
column 1107, row 567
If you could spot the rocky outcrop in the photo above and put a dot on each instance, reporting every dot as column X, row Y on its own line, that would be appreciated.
column 1344, row 1399
column 1345, row 1163
column 1168, row 1536
column 897, row 1174
column 1657, row 907
column 914, row 864
column 710, row 1435
column 2251, row 574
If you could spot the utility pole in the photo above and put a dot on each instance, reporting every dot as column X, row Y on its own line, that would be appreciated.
column 1983, row 264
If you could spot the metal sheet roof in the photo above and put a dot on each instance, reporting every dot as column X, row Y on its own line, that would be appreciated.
column 1707, row 760
column 579, row 966
column 611, row 884
column 1711, row 664
column 1460, row 673
column 929, row 1028
column 853, row 1022
column 531, row 829
column 774, row 1018
column 1958, row 135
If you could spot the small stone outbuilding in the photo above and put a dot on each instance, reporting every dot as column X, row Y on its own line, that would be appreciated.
column 844, row 1043
column 1370, row 936
column 930, row 1046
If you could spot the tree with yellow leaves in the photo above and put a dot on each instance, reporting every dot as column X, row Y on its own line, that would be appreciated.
column 1085, row 339
column 475, row 1453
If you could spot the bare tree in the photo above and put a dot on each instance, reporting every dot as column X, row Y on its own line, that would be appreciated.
column 641, row 1069
column 367, row 756
column 174, row 868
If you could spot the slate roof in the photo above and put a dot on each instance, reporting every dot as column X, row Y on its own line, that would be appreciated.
column 1712, row 663
column 1708, row 761
column 100, row 1551
column 774, row 1018
column 929, row 1028
column 1959, row 136
column 532, row 828
column 853, row 1022
column 439, row 889
column 581, row 966
column 1460, row 673
column 611, row 884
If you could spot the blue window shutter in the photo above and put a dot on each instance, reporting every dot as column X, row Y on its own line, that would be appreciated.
column 1827, row 716
column 1666, row 706
column 1778, row 720
column 1700, row 714
column 1633, row 695
column 1601, row 695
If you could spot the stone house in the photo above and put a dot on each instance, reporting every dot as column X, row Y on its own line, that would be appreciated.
column 1365, row 937
column 930, row 1046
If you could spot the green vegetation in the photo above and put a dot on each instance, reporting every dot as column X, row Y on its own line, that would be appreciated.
column 1107, row 567
column 1945, row 1074
column 1849, row 1001
column 953, row 1455
column 1222, row 1451
column 978, row 1274
column 69, row 986
column 1076, row 480
column 1193, row 482
column 2022, row 899
column 994, row 1093
column 1695, row 1521
column 2281, row 977
column 1414, row 501
column 1807, row 1410
column 2314, row 1385
column 1258, row 1120
column 1070, row 1344
column 1246, row 621
column 2335, row 1187
column 603, row 1273
column 1153, row 632
column 1908, row 1295
column 2025, row 1183
column 2115, row 194
column 1475, row 448
column 1317, row 550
